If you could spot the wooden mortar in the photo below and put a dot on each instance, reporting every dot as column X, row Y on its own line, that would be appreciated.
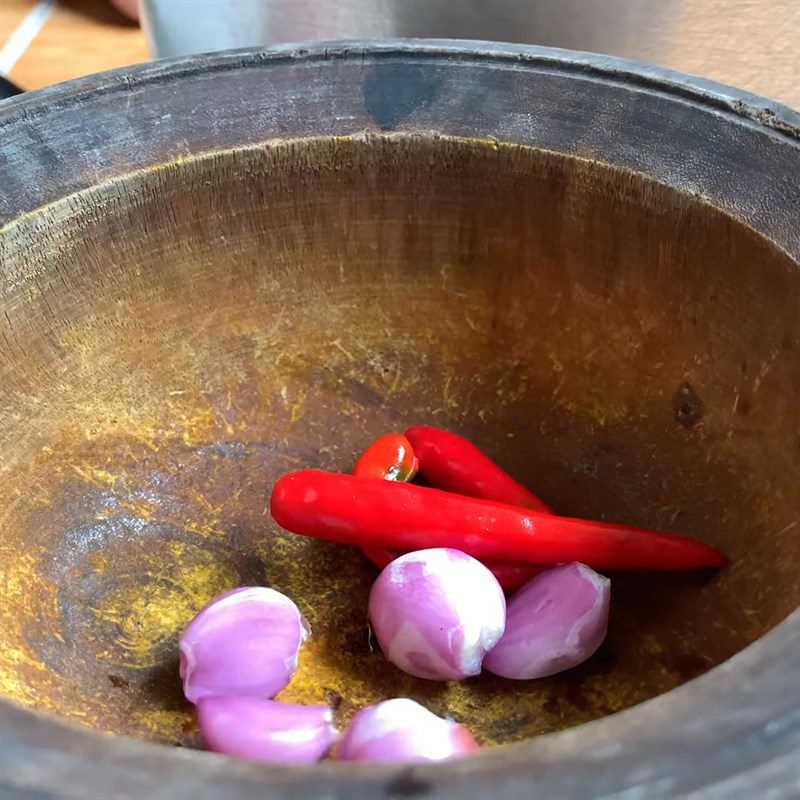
column 219, row 269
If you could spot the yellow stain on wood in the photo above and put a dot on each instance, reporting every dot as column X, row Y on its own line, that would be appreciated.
column 146, row 614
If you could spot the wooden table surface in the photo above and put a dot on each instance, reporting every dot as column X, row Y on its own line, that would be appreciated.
column 751, row 44
column 78, row 38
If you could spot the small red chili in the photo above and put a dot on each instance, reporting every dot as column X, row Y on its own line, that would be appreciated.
column 391, row 457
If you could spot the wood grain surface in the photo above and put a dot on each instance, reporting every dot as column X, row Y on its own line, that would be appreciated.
column 751, row 44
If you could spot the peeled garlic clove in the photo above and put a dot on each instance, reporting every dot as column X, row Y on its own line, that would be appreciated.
column 244, row 642
column 436, row 613
column 402, row 730
column 556, row 621
column 265, row 730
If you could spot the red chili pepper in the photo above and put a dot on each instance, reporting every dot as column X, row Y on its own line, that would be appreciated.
column 380, row 557
column 454, row 464
column 342, row 508
column 392, row 458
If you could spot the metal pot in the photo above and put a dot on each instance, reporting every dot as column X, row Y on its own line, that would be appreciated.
column 181, row 27
column 217, row 268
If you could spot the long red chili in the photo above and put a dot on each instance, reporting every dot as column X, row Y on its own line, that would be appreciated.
column 342, row 508
column 452, row 463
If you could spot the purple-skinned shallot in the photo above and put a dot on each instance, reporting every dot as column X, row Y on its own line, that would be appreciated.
column 401, row 730
column 256, row 729
column 555, row 622
column 436, row 613
column 244, row 642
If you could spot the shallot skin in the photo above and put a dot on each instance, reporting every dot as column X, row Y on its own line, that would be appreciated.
column 436, row 613
column 256, row 729
column 402, row 730
column 555, row 622
column 244, row 642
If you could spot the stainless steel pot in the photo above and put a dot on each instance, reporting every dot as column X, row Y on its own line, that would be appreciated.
column 182, row 27
column 748, row 43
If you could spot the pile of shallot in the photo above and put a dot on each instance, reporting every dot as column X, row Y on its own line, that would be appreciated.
column 437, row 614
column 441, row 614
column 242, row 649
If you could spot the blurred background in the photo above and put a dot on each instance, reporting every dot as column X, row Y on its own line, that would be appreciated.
column 752, row 44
